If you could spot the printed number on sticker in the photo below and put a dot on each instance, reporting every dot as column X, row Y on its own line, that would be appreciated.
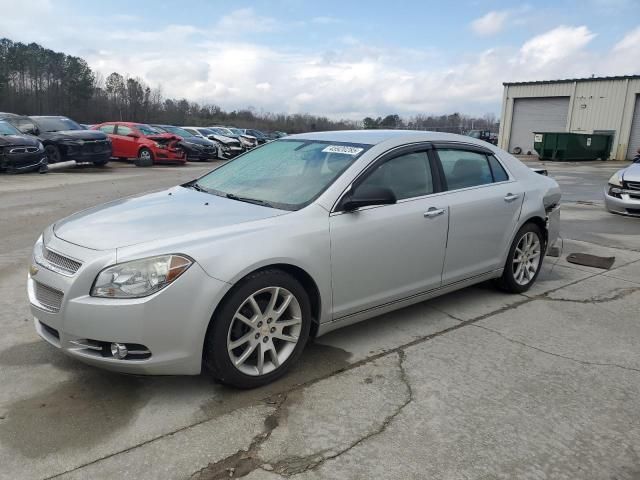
column 342, row 149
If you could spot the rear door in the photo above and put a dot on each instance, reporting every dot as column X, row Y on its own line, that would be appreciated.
column 484, row 203
column 384, row 253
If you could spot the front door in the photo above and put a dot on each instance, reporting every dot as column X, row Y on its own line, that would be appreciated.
column 381, row 254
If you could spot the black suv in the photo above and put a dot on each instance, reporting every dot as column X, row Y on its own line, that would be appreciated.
column 64, row 139
column 20, row 153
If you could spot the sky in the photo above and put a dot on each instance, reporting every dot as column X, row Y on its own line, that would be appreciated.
column 343, row 59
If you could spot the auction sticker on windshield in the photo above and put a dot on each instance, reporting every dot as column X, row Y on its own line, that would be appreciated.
column 343, row 149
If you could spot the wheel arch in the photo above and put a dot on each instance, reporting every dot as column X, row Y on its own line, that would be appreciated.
column 307, row 281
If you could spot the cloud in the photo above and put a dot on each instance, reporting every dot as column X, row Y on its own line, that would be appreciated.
column 558, row 44
column 245, row 20
column 350, row 78
column 490, row 23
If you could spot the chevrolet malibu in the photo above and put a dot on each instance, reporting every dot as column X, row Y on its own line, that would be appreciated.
column 236, row 270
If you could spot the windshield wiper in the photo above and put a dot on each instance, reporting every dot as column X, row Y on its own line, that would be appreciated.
column 198, row 187
column 249, row 200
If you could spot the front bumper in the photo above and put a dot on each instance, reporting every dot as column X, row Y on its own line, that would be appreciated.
column 171, row 323
column 168, row 155
column 627, row 204
column 23, row 163
column 87, row 152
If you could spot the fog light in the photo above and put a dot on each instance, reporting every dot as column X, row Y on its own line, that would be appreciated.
column 119, row 350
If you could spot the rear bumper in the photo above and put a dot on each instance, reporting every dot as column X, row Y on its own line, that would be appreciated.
column 553, row 226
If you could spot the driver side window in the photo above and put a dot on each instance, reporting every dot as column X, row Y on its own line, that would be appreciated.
column 407, row 175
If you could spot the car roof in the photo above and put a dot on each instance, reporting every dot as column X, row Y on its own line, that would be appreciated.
column 374, row 137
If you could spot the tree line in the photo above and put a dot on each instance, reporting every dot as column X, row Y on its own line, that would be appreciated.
column 35, row 80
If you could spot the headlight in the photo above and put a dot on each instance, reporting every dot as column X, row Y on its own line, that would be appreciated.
column 615, row 180
column 40, row 146
column 38, row 254
column 139, row 278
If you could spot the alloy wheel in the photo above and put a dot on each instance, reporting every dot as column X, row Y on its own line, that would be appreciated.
column 526, row 258
column 264, row 331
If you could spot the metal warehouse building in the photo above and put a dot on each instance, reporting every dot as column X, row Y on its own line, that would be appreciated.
column 581, row 105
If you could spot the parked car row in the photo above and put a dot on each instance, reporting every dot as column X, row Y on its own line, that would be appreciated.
column 41, row 140
column 30, row 143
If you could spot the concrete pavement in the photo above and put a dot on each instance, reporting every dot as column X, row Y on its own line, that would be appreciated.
column 475, row 384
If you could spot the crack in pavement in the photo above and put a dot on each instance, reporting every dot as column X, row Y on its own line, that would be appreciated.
column 547, row 352
column 293, row 466
column 244, row 462
column 621, row 293
column 398, row 349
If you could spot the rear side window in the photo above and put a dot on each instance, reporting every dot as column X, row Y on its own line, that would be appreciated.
column 499, row 173
column 124, row 130
column 463, row 169
column 107, row 128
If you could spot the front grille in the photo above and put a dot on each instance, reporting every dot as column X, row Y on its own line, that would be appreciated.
column 49, row 298
column 61, row 262
column 633, row 185
column 94, row 146
column 24, row 150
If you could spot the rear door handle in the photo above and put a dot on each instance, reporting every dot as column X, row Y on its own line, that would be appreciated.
column 433, row 212
column 510, row 197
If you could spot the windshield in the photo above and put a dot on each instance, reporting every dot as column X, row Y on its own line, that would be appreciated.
column 147, row 129
column 8, row 129
column 237, row 131
column 178, row 131
column 286, row 174
column 57, row 124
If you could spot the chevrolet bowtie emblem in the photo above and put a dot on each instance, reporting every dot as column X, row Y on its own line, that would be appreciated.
column 33, row 270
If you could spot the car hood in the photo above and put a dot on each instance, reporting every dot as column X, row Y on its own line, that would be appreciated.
column 154, row 216
column 197, row 141
column 223, row 139
column 18, row 140
column 631, row 173
column 73, row 135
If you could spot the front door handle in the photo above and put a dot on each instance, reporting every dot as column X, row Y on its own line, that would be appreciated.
column 433, row 212
column 510, row 197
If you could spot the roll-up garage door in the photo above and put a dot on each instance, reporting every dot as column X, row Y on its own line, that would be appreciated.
column 546, row 114
column 634, row 138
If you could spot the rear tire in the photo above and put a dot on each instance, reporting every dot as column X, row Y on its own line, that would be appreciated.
column 267, row 316
column 524, row 260
column 145, row 158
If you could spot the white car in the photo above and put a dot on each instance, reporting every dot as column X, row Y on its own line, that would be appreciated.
column 237, row 269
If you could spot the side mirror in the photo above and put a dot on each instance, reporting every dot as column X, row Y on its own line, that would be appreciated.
column 30, row 130
column 368, row 195
column 133, row 135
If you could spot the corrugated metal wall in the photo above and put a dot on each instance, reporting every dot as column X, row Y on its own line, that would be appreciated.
column 594, row 105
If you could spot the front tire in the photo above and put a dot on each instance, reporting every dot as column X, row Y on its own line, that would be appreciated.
column 259, row 331
column 145, row 158
column 524, row 260
column 53, row 154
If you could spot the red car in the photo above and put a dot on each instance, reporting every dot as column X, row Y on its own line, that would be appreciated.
column 142, row 142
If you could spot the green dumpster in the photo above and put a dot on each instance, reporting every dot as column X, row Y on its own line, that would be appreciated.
column 563, row 146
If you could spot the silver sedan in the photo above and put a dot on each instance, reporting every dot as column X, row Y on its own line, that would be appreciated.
column 622, row 194
column 236, row 270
